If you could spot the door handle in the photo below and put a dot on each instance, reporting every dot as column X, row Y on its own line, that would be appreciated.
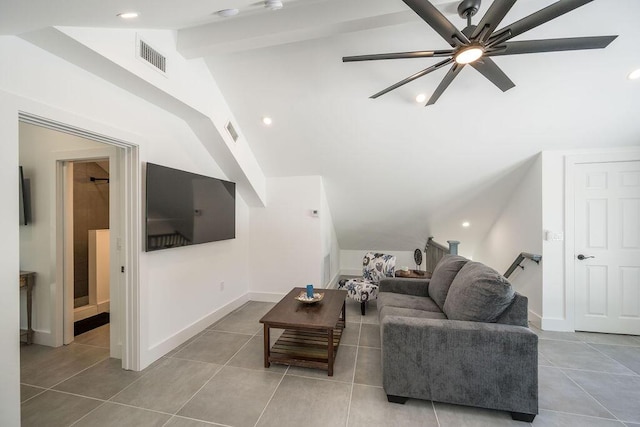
column 582, row 257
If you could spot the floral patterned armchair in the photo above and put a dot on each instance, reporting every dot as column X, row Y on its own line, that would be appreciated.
column 375, row 266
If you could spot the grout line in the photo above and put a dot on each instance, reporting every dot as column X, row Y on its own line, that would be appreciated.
column 271, row 397
column 582, row 415
column 590, row 395
column 616, row 361
column 433, row 405
column 594, row 371
column 353, row 377
column 79, row 372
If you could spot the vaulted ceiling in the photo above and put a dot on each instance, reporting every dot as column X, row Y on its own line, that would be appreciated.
column 395, row 171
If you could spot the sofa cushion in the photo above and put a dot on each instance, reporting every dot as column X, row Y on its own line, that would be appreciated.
column 410, row 312
column 442, row 277
column 406, row 301
column 478, row 293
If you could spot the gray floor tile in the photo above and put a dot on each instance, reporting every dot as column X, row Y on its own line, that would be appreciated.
column 371, row 315
column 579, row 355
column 243, row 321
column 370, row 335
column 350, row 334
column 27, row 392
column 559, row 419
column 214, row 347
column 184, row 344
column 632, row 425
column 559, row 393
column 611, row 339
column 98, row 337
column 256, row 309
column 234, row 397
column 369, row 367
column 628, row 356
column 456, row 416
column 343, row 367
column 620, row 394
column 168, row 386
column 251, row 356
column 543, row 361
column 53, row 409
column 102, row 381
column 307, row 402
column 43, row 366
column 370, row 408
column 114, row 415
column 177, row 421
column 554, row 335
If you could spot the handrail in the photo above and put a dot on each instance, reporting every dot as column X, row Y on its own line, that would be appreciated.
column 516, row 263
column 434, row 251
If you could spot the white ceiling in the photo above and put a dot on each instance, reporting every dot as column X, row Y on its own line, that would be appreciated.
column 395, row 172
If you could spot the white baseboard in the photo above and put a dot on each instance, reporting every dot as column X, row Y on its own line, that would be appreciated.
column 556, row 324
column 535, row 319
column 44, row 338
column 265, row 296
column 162, row 348
column 333, row 283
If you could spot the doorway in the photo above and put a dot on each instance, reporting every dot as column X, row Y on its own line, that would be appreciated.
column 55, row 309
column 88, row 220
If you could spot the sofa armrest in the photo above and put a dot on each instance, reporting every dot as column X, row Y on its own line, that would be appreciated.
column 487, row 365
column 399, row 285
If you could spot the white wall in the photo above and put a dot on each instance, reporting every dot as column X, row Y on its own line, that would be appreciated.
column 330, row 246
column 9, row 266
column 182, row 284
column 286, row 239
column 518, row 229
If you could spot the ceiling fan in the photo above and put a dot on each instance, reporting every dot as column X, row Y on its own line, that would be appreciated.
column 476, row 44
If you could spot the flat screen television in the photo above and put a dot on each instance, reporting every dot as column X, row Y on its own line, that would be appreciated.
column 185, row 208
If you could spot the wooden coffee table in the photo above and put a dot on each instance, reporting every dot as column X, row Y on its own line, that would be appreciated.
column 312, row 331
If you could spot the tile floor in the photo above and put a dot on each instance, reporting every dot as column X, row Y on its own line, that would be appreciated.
column 217, row 378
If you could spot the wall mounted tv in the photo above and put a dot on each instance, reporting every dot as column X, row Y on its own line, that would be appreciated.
column 184, row 208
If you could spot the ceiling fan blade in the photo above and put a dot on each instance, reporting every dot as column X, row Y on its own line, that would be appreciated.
column 444, row 84
column 538, row 18
column 553, row 45
column 437, row 21
column 413, row 77
column 491, row 71
column 399, row 55
column 493, row 17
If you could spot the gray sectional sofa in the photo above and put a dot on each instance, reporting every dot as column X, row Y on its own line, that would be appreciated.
column 460, row 337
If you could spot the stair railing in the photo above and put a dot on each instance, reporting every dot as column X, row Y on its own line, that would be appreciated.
column 518, row 262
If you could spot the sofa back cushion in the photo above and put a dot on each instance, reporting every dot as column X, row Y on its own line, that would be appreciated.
column 442, row 277
column 478, row 293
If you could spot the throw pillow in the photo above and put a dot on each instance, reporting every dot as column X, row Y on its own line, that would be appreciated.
column 444, row 273
column 478, row 293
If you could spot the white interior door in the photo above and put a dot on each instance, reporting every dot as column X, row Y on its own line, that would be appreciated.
column 607, row 247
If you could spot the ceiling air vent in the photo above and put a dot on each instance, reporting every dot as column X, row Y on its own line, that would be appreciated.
column 232, row 131
column 152, row 56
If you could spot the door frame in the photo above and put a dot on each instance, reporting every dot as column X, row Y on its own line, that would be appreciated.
column 570, row 165
column 127, row 186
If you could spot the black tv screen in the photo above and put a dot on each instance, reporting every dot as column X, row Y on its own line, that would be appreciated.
column 184, row 208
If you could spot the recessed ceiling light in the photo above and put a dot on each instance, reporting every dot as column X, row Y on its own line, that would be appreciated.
column 466, row 224
column 634, row 74
column 267, row 120
column 128, row 15
column 273, row 4
column 421, row 98
column 227, row 13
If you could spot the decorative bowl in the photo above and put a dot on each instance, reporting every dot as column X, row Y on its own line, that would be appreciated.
column 317, row 296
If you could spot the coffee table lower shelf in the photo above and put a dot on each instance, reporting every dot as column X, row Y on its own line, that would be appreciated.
column 305, row 348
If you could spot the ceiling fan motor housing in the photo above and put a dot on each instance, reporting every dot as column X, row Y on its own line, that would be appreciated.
column 468, row 8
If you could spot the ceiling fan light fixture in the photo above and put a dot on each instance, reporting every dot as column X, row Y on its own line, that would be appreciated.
column 128, row 15
column 634, row 75
column 420, row 98
column 469, row 54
